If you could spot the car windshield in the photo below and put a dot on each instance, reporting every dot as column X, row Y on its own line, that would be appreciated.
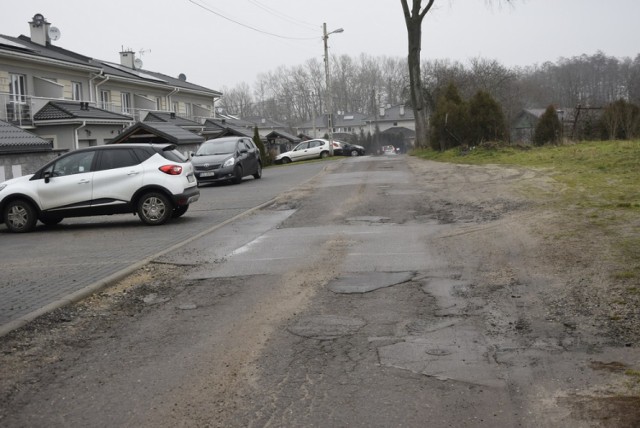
column 216, row 148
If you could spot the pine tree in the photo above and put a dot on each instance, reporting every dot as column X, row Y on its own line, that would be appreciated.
column 486, row 119
column 449, row 121
column 548, row 128
column 266, row 157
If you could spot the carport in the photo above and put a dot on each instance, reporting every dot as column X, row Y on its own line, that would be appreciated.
column 160, row 132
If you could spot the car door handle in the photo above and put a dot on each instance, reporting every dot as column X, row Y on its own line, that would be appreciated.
column 133, row 173
column 84, row 181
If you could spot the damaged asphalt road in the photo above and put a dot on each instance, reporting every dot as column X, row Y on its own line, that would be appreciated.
column 386, row 292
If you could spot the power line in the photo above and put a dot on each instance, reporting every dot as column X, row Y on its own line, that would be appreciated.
column 208, row 9
column 281, row 15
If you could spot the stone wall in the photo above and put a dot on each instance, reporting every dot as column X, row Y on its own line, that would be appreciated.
column 17, row 164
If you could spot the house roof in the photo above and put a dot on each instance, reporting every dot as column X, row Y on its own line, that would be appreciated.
column 60, row 110
column 23, row 46
column 157, row 132
column 229, row 121
column 273, row 135
column 14, row 139
column 394, row 113
column 160, row 116
column 263, row 122
column 226, row 127
column 339, row 120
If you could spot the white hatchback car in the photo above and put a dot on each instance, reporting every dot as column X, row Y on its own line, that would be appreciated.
column 311, row 149
column 154, row 181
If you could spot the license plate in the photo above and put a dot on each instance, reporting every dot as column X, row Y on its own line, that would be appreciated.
column 207, row 174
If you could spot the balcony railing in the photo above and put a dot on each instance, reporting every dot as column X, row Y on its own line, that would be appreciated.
column 16, row 112
column 21, row 113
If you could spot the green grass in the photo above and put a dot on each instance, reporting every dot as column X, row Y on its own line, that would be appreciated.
column 596, row 174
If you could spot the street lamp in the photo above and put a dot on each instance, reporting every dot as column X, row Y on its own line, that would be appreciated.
column 329, row 104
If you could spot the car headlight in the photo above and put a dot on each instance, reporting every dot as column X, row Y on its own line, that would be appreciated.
column 229, row 162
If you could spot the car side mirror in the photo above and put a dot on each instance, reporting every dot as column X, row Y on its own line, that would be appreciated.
column 47, row 176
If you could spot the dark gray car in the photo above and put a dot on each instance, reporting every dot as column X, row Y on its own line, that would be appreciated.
column 227, row 159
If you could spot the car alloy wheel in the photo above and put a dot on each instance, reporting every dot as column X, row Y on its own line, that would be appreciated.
column 20, row 216
column 154, row 208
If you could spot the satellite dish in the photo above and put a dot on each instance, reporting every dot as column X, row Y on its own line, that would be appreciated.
column 54, row 33
column 182, row 77
column 138, row 63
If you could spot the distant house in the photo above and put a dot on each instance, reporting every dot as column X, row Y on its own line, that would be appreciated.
column 397, row 116
column 524, row 124
column 280, row 141
column 343, row 123
column 266, row 125
column 21, row 152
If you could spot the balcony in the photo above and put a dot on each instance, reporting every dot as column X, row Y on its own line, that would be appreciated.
column 21, row 113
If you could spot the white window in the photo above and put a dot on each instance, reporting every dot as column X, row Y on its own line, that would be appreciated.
column 188, row 109
column 125, row 100
column 18, row 88
column 105, row 99
column 176, row 107
column 158, row 103
column 76, row 91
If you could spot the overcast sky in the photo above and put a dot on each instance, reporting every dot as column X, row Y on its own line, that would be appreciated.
column 200, row 38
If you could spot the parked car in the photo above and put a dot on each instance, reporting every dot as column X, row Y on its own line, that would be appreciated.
column 154, row 181
column 337, row 147
column 352, row 150
column 311, row 149
column 227, row 159
column 389, row 150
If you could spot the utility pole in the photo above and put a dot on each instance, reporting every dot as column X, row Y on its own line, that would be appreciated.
column 329, row 102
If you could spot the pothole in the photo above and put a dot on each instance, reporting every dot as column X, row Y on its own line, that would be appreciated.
column 326, row 327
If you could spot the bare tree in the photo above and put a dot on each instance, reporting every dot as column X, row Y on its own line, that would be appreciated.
column 238, row 101
column 413, row 18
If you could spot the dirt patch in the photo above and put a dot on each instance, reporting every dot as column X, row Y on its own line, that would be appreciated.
column 549, row 274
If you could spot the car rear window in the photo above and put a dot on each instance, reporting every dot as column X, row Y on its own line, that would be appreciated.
column 173, row 155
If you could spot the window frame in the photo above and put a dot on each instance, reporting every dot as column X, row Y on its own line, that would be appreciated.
column 125, row 102
column 17, row 88
column 76, row 91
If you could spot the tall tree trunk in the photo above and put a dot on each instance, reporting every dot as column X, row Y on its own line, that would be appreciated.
column 413, row 19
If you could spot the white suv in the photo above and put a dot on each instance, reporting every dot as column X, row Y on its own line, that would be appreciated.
column 154, row 181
